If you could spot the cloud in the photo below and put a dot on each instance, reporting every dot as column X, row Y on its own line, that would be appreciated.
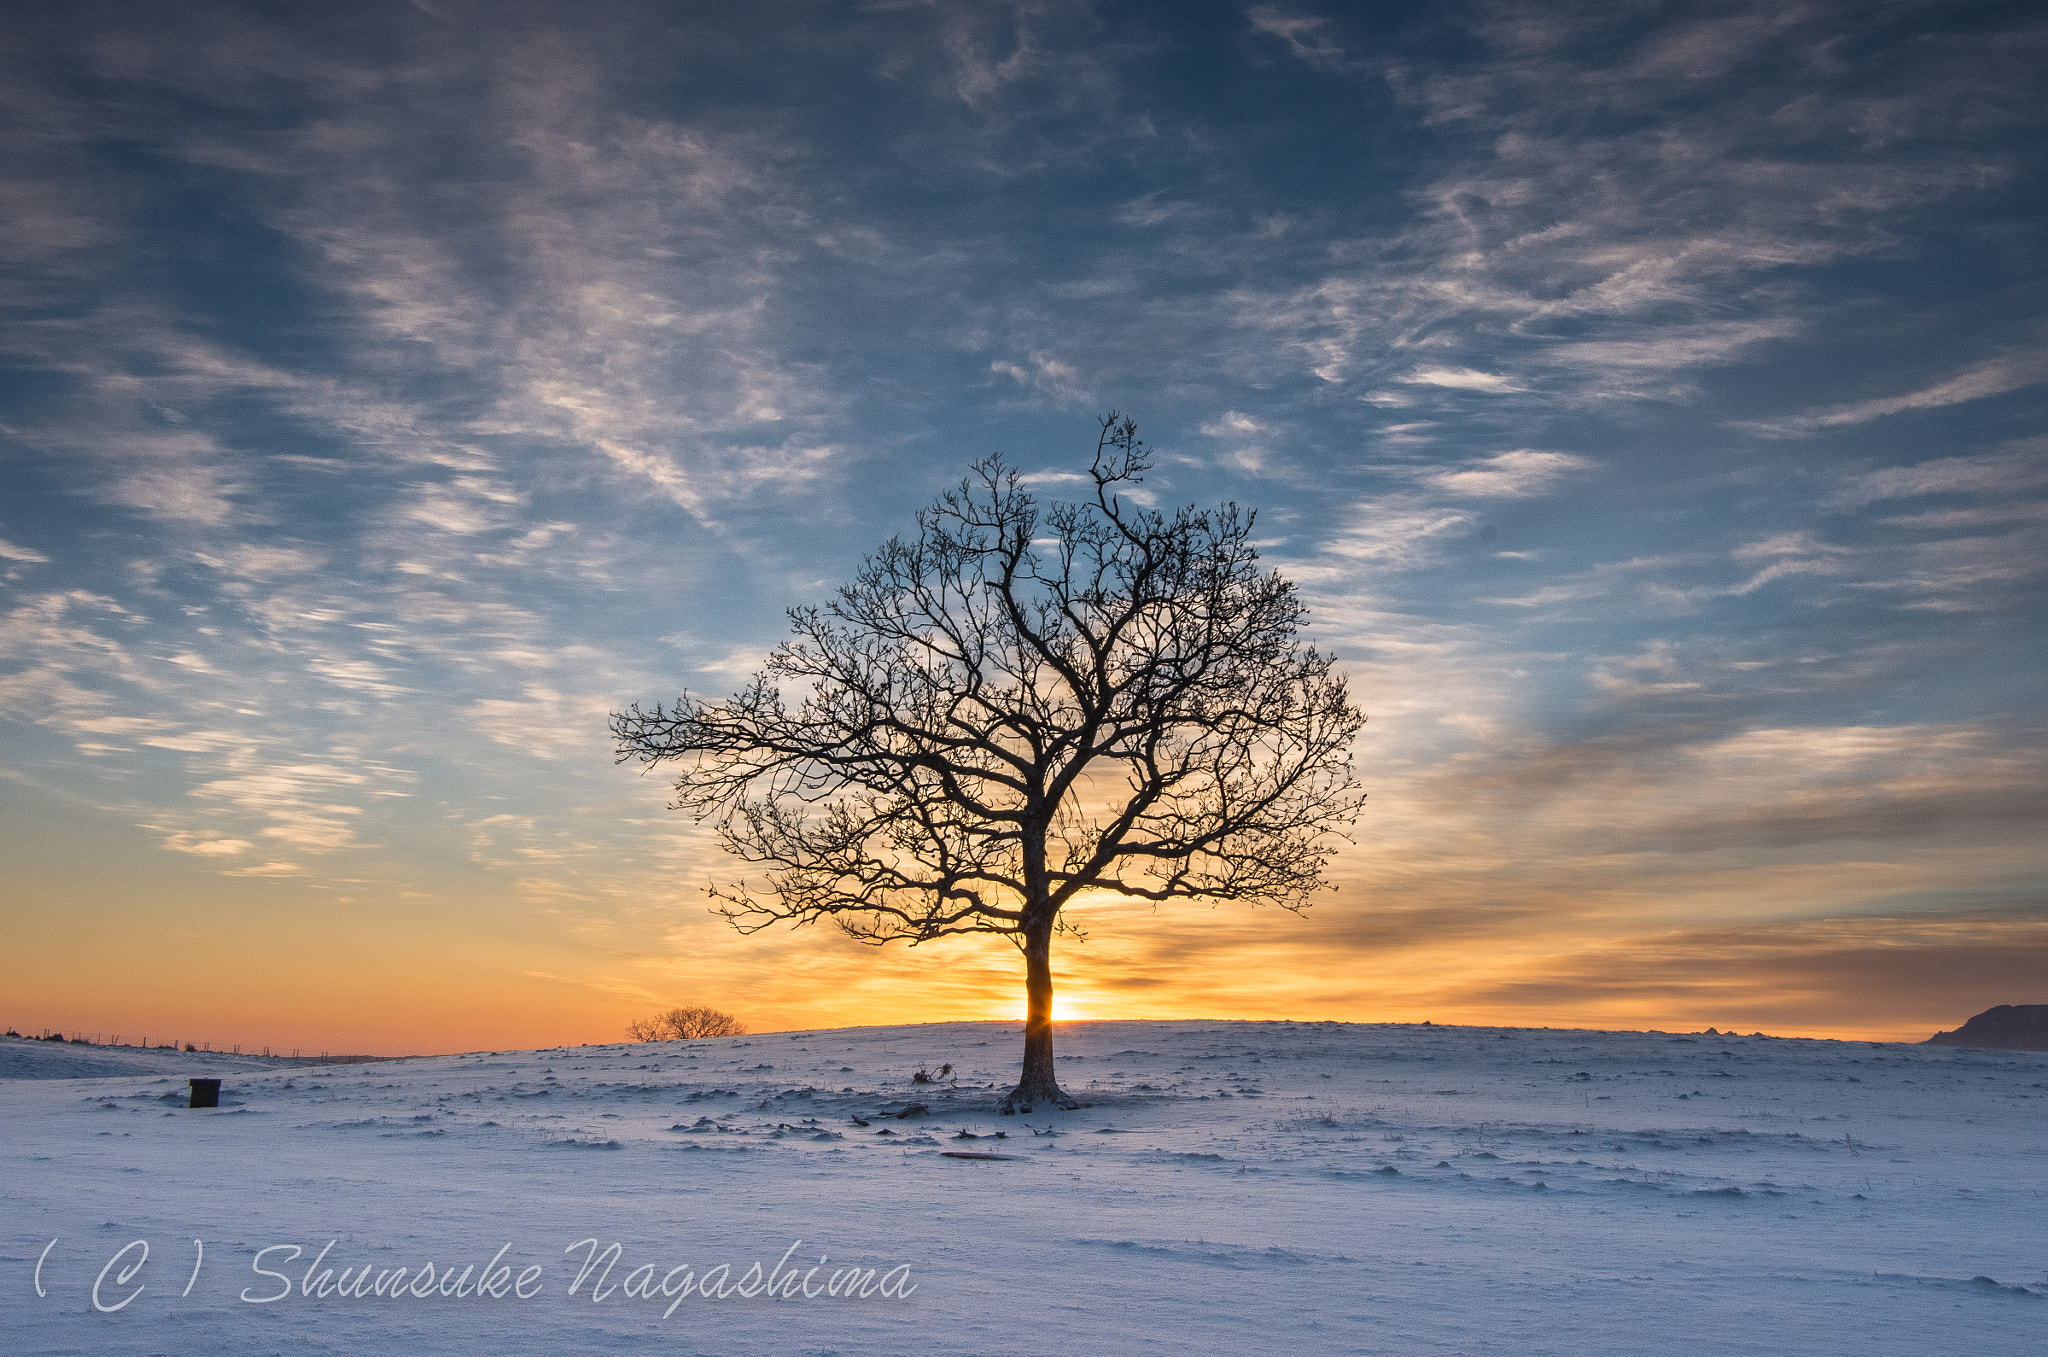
column 9, row 551
column 452, row 510
column 198, row 741
column 1981, row 516
column 992, row 57
column 1523, row 471
column 1605, row 214
column 297, row 798
column 1961, row 574
column 1059, row 381
column 1153, row 208
column 1789, row 553
column 1412, row 432
column 2010, row 372
column 186, row 841
column 2023, row 468
column 359, row 674
column 186, row 490
column 544, row 722
column 1300, row 33
column 609, row 291
column 263, row 563
column 1658, row 662
column 1699, row 793
column 1248, row 454
column 737, row 665
column 1398, row 532
column 1790, row 976
column 268, row 869
column 1461, row 379
column 1676, row 349
column 68, row 671
column 1550, row 594
column 1800, row 543
column 1231, row 424
column 1626, row 580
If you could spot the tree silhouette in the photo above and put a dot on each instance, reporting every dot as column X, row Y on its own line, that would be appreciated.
column 1018, row 705
column 691, row 1023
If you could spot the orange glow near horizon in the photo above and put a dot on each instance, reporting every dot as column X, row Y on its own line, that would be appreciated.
column 447, row 993
column 1424, row 927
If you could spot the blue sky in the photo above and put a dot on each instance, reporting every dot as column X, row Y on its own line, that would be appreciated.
column 1649, row 399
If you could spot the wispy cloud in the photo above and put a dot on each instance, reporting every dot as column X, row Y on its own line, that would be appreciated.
column 1675, row 350
column 546, row 723
column 1231, row 424
column 1461, row 379
column 1041, row 372
column 1523, row 471
column 1619, row 264
column 2023, row 467
column 1398, row 531
column 1305, row 34
column 1994, row 378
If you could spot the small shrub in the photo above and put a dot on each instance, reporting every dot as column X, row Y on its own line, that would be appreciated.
column 686, row 1024
column 190, row 1047
column 926, row 1076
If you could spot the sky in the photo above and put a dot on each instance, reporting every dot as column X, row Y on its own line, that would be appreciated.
column 1647, row 398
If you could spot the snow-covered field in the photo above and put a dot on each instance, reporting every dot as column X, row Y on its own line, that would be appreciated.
column 1231, row 1188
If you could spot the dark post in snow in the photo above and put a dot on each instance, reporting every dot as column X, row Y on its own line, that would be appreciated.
column 1017, row 707
column 205, row 1093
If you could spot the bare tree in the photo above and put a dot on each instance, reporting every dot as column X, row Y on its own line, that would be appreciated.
column 1020, row 705
column 686, row 1024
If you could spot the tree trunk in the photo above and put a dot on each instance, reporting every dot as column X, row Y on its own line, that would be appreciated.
column 1038, row 1084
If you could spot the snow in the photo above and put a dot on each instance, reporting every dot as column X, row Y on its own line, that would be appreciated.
column 1230, row 1187
column 30, row 1059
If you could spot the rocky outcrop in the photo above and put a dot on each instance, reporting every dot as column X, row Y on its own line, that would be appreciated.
column 2009, row 1027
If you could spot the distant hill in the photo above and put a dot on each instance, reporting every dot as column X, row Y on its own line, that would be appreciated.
column 2008, row 1027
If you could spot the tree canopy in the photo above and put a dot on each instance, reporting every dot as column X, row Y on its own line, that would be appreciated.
column 1018, row 704
column 692, row 1022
